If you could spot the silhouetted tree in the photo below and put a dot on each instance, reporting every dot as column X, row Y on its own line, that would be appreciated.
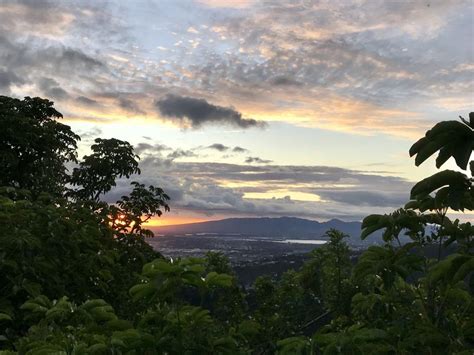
column 34, row 146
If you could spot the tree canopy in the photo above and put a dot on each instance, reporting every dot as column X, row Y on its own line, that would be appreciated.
column 34, row 146
column 77, row 276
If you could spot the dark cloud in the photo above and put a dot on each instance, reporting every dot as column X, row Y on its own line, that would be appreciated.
column 285, row 81
column 47, row 83
column 277, row 57
column 198, row 187
column 257, row 160
column 238, row 149
column 95, row 132
column 31, row 17
column 67, row 41
column 366, row 198
column 87, row 101
column 181, row 153
column 388, row 54
column 129, row 105
column 264, row 173
column 8, row 78
column 218, row 146
column 125, row 100
column 197, row 112
column 142, row 147
column 146, row 148
column 72, row 59
column 51, row 89
column 59, row 60
column 39, row 65
column 52, row 69
column 57, row 93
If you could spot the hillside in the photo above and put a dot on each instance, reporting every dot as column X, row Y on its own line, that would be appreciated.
column 288, row 227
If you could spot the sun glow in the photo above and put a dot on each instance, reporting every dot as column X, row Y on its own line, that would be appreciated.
column 168, row 220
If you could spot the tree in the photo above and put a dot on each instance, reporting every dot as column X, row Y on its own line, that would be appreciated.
column 58, row 242
column 331, row 265
column 405, row 299
column 97, row 173
column 225, row 304
column 132, row 211
column 77, row 277
column 34, row 146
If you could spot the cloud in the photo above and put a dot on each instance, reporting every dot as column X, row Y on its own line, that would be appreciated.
column 90, row 134
column 238, row 149
column 35, row 18
column 257, row 160
column 150, row 149
column 219, row 147
column 129, row 105
column 367, row 68
column 359, row 68
column 285, row 81
column 204, row 188
column 51, row 88
column 87, row 101
column 197, row 112
column 57, row 93
column 181, row 153
column 39, row 65
column 366, row 198
column 8, row 78
column 226, row 3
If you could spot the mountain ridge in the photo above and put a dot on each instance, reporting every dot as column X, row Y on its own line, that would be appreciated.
column 293, row 227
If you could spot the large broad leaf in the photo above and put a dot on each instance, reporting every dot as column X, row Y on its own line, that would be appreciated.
column 465, row 269
column 457, row 232
column 5, row 317
column 293, row 345
column 39, row 304
column 455, row 190
column 452, row 269
column 98, row 348
column 366, row 334
column 457, row 199
column 373, row 223
column 452, row 139
column 144, row 290
column 388, row 263
column 394, row 223
column 249, row 328
column 218, row 280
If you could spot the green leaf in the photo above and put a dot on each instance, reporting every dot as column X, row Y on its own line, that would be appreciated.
column 5, row 317
column 97, row 349
column 293, row 345
column 465, row 269
column 140, row 291
column 452, row 138
column 220, row 280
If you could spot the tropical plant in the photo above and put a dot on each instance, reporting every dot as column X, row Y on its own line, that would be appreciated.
column 417, row 303
column 34, row 146
column 77, row 276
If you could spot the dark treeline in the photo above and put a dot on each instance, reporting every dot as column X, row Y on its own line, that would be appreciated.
column 77, row 276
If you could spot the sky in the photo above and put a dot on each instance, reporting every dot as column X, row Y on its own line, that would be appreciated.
column 244, row 108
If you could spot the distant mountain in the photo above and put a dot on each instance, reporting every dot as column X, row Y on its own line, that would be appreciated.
column 286, row 227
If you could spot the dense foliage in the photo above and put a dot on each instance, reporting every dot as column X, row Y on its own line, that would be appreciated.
column 77, row 276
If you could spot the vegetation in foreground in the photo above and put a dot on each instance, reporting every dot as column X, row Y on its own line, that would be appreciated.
column 77, row 277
